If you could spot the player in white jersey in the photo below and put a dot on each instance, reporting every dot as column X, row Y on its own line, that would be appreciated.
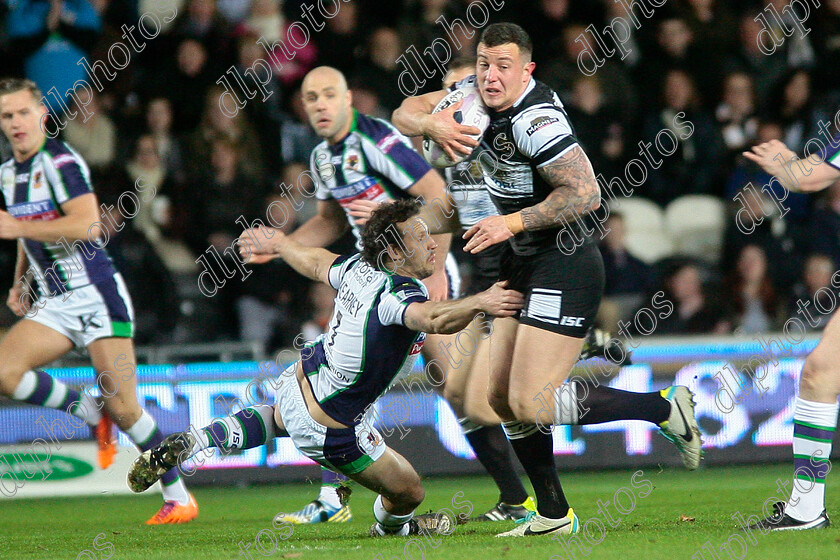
column 81, row 301
column 323, row 402
column 815, row 413
column 542, row 182
column 363, row 158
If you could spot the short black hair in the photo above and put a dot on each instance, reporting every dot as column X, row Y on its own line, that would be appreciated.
column 503, row 33
column 375, row 236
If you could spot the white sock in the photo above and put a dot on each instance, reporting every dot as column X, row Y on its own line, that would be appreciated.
column 388, row 523
column 813, row 429
column 329, row 497
column 141, row 433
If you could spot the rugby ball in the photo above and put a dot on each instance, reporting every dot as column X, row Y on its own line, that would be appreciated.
column 472, row 113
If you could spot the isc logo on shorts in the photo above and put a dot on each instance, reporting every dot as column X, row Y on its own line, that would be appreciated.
column 567, row 321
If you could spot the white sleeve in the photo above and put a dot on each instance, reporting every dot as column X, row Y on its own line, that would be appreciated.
column 543, row 133
column 393, row 304
column 339, row 268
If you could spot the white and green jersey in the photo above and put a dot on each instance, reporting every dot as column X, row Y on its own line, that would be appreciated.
column 367, row 346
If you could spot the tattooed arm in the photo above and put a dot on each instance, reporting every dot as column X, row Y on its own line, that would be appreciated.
column 576, row 192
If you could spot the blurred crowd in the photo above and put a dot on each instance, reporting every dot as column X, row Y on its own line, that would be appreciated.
column 158, row 119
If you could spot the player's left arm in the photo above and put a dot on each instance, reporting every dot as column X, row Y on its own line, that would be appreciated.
column 80, row 213
column 312, row 262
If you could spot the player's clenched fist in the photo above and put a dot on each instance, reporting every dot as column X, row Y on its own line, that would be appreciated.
column 17, row 303
column 258, row 245
column 500, row 301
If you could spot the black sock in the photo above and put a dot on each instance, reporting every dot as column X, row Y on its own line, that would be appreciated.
column 536, row 453
column 605, row 404
column 493, row 451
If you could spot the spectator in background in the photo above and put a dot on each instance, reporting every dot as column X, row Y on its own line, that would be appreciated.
column 234, row 11
column 676, row 49
column 202, row 22
column 381, row 70
column 218, row 198
column 95, row 138
column 560, row 72
column 750, row 293
column 50, row 37
column 765, row 70
column 366, row 100
column 826, row 40
column 271, row 305
column 297, row 139
column 693, row 167
column 342, row 43
column 266, row 21
column 159, row 121
column 810, row 294
column 824, row 233
column 713, row 25
column 149, row 282
column 265, row 114
column 321, row 305
column 598, row 127
column 792, row 105
column 746, row 172
column 216, row 125
column 756, row 221
column 628, row 279
column 693, row 312
column 184, row 80
column 735, row 114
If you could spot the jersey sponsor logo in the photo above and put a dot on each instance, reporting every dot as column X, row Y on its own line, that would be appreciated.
column 367, row 189
column 31, row 211
column 540, row 122
column 22, row 177
column 62, row 160
column 388, row 142
column 90, row 321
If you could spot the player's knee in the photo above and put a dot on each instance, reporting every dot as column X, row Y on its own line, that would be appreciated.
column 819, row 373
column 455, row 397
column 498, row 402
column 523, row 410
column 123, row 413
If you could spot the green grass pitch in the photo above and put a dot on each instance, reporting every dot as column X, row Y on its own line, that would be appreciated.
column 651, row 530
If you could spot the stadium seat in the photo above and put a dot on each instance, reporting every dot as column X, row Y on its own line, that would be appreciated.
column 696, row 225
column 647, row 238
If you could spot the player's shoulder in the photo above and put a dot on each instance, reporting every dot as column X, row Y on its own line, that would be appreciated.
column 379, row 131
column 398, row 283
column 541, row 109
column 60, row 153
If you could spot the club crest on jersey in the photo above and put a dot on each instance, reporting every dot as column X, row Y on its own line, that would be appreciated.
column 352, row 162
column 38, row 183
column 540, row 122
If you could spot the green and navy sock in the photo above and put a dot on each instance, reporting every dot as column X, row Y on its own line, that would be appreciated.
column 41, row 389
column 813, row 429
column 146, row 435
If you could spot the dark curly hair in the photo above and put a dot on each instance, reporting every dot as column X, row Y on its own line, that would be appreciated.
column 375, row 236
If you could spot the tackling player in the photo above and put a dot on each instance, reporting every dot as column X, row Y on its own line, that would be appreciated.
column 83, row 301
column 815, row 412
column 382, row 312
column 363, row 158
column 541, row 179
